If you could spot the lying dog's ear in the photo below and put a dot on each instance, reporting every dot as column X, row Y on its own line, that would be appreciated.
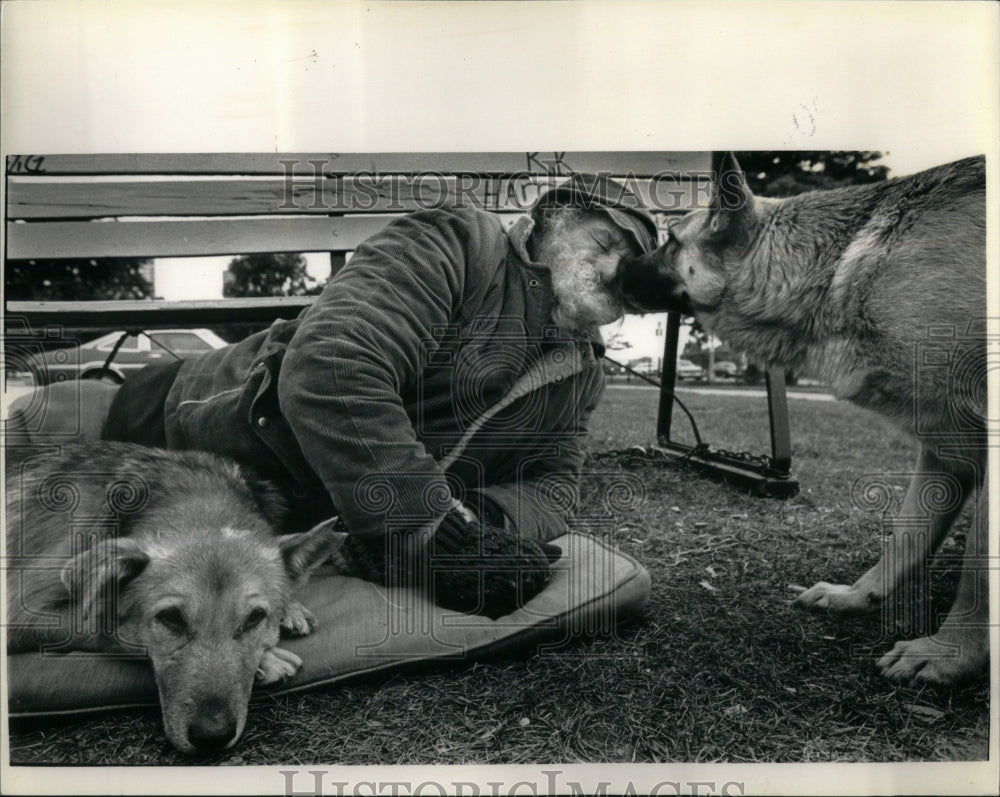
column 732, row 201
column 95, row 577
column 306, row 551
column 267, row 497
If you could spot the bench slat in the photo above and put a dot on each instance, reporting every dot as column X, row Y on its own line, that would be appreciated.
column 29, row 198
column 145, row 314
column 642, row 164
column 188, row 238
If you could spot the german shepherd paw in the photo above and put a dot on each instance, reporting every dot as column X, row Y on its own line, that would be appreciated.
column 276, row 665
column 298, row 620
column 935, row 660
column 836, row 599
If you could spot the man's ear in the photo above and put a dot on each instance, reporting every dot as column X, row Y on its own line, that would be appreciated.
column 732, row 205
column 306, row 551
column 95, row 577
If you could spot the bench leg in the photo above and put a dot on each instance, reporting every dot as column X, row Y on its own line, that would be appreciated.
column 668, row 378
column 777, row 411
column 772, row 480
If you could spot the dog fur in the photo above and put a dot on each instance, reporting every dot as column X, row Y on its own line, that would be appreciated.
column 856, row 282
column 127, row 549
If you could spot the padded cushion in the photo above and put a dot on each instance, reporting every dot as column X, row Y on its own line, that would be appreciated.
column 364, row 628
column 63, row 412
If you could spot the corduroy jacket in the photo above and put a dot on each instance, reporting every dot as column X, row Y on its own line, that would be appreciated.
column 427, row 369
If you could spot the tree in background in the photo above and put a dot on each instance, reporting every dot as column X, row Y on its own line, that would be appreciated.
column 614, row 342
column 264, row 275
column 104, row 278
column 269, row 275
column 781, row 174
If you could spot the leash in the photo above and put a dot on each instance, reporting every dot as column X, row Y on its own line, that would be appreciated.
column 687, row 412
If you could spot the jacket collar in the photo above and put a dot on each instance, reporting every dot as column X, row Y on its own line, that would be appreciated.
column 518, row 235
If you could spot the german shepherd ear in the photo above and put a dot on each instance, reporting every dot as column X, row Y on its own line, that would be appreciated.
column 732, row 201
column 95, row 577
column 306, row 551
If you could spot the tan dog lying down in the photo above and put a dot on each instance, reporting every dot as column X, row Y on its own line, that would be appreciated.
column 136, row 551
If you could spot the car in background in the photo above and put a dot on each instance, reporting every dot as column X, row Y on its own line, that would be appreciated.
column 688, row 370
column 725, row 370
column 645, row 366
column 86, row 361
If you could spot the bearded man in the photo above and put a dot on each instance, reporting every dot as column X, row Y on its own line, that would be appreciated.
column 435, row 396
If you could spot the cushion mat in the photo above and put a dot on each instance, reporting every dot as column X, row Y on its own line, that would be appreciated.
column 365, row 628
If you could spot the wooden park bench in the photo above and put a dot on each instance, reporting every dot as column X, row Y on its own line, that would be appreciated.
column 166, row 205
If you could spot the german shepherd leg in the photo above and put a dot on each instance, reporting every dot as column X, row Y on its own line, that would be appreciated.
column 960, row 648
column 906, row 551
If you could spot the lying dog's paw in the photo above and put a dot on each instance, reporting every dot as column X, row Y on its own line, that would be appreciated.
column 937, row 660
column 836, row 599
column 276, row 665
column 298, row 620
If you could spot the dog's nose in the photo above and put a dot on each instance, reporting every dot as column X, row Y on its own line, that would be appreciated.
column 213, row 728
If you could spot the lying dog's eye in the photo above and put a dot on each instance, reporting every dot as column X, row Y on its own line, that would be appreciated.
column 255, row 618
column 172, row 619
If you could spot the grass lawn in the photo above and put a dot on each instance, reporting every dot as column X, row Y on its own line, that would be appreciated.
column 718, row 668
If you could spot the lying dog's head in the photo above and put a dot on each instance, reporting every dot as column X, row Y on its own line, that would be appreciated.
column 205, row 606
column 689, row 272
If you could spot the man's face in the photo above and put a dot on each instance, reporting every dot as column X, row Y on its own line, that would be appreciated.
column 583, row 251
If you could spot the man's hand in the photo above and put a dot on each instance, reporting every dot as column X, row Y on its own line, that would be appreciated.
column 468, row 566
column 483, row 569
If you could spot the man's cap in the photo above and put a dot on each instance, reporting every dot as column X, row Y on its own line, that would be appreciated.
column 600, row 192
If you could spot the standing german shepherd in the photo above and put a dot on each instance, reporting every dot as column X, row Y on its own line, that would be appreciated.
column 861, row 282
column 170, row 554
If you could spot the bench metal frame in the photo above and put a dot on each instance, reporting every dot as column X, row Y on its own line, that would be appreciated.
column 767, row 477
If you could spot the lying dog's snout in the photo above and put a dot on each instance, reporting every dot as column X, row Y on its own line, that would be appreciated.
column 213, row 728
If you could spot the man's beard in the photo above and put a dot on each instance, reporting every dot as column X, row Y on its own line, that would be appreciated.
column 583, row 301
